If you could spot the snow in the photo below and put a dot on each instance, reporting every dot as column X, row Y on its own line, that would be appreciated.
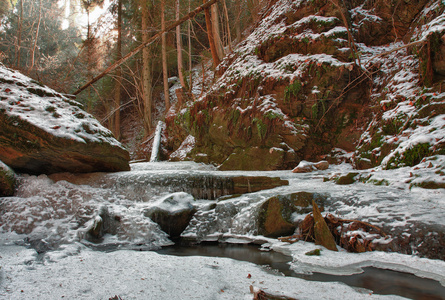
column 57, row 213
column 186, row 147
column 22, row 97
column 79, row 273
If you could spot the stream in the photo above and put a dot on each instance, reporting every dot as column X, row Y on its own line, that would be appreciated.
column 62, row 208
column 379, row 281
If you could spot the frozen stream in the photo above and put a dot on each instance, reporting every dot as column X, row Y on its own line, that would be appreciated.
column 51, row 215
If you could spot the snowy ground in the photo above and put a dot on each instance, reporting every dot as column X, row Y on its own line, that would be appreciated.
column 58, row 212
column 79, row 273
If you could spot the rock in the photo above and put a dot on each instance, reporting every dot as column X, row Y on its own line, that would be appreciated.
column 323, row 235
column 256, row 120
column 104, row 222
column 7, row 180
column 257, row 158
column 305, row 166
column 172, row 213
column 42, row 131
column 346, row 179
column 278, row 216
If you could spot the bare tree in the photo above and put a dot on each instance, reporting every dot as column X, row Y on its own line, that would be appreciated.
column 164, row 57
column 33, row 50
column 146, row 66
column 216, row 31
column 19, row 36
column 209, row 27
column 179, row 48
column 116, row 118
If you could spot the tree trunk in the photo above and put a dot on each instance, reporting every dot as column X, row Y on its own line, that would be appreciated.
column 164, row 57
column 189, row 32
column 136, row 50
column 229, row 35
column 179, row 49
column 33, row 51
column 216, row 31
column 146, row 68
column 209, row 27
column 116, row 118
column 238, row 20
column 19, row 36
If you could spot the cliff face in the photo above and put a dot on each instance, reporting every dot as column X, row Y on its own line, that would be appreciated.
column 314, row 76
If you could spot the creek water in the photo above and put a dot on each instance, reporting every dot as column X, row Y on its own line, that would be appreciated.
column 379, row 281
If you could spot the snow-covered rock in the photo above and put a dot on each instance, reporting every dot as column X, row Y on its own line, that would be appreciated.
column 172, row 213
column 305, row 166
column 7, row 180
column 42, row 131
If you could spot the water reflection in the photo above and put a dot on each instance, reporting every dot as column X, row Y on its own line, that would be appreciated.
column 379, row 281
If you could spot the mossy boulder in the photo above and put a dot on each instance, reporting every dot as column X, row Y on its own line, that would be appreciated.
column 42, row 131
column 347, row 178
column 7, row 180
column 280, row 215
column 257, row 158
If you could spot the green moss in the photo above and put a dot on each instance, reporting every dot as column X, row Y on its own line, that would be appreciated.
column 292, row 90
column 410, row 157
column 271, row 115
column 315, row 252
column 261, row 128
column 234, row 116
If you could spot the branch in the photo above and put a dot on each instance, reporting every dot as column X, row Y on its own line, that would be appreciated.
column 141, row 46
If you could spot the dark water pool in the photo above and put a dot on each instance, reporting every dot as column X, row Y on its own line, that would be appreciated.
column 380, row 281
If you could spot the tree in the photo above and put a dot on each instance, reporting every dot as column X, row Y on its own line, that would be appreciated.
column 179, row 48
column 33, row 51
column 216, row 31
column 209, row 27
column 116, row 118
column 146, row 67
column 164, row 57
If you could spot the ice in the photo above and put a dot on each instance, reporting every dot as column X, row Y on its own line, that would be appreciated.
column 54, row 214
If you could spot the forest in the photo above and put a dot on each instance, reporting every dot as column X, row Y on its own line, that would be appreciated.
column 265, row 149
column 65, row 44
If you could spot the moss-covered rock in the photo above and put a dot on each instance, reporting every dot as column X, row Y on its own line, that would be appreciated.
column 7, row 180
column 254, row 119
column 346, row 179
column 280, row 215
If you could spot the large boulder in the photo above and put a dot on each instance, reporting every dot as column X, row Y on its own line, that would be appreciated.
column 7, row 180
column 42, row 131
column 172, row 213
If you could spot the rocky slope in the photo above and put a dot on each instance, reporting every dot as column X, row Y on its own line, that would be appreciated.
column 42, row 131
column 363, row 76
